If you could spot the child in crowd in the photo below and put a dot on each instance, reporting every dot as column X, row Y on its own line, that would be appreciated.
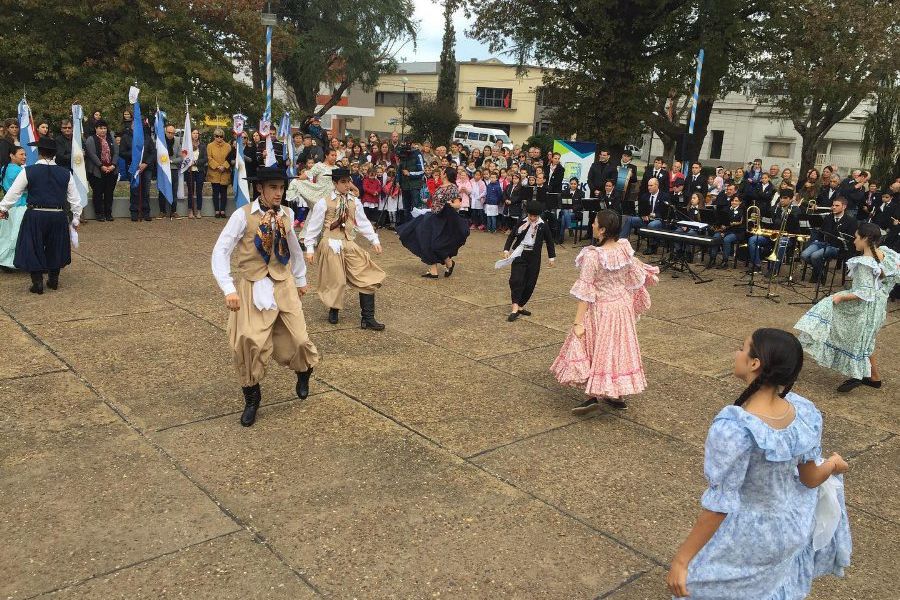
column 493, row 199
column 601, row 353
column 764, row 530
column 391, row 192
column 464, row 184
column 356, row 177
column 371, row 192
column 476, row 200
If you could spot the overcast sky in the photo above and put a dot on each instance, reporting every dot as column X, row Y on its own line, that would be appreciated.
column 431, row 30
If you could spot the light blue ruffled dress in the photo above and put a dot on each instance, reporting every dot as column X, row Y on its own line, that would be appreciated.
column 763, row 550
column 9, row 227
column 842, row 337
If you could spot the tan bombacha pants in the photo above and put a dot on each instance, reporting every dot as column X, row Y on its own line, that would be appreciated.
column 352, row 266
column 256, row 335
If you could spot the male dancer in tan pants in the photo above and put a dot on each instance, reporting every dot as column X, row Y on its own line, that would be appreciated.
column 266, row 317
column 339, row 217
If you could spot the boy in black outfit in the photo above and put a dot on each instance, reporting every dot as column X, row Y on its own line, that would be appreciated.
column 523, row 251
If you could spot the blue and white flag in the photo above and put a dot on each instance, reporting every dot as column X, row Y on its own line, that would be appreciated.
column 137, row 137
column 284, row 132
column 187, row 154
column 79, row 173
column 163, row 166
column 241, row 190
column 27, row 133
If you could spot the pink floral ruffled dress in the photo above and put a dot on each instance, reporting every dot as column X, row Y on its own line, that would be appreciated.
column 606, row 361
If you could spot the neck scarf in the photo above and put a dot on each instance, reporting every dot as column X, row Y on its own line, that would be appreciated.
column 105, row 153
column 271, row 236
column 340, row 213
column 528, row 240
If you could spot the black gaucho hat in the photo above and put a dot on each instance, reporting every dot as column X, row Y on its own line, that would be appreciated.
column 264, row 174
column 534, row 208
column 340, row 173
column 45, row 143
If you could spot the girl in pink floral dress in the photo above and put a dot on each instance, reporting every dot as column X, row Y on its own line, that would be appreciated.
column 601, row 354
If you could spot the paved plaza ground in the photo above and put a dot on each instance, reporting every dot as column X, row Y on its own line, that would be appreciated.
column 436, row 459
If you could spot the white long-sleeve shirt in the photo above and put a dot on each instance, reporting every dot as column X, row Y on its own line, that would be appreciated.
column 20, row 186
column 316, row 220
column 233, row 232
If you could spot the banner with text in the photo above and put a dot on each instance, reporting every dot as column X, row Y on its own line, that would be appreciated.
column 576, row 158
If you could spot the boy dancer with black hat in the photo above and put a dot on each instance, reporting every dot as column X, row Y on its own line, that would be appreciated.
column 44, row 244
column 266, row 315
column 338, row 218
column 523, row 252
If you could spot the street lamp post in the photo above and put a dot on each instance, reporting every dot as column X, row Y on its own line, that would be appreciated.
column 405, row 80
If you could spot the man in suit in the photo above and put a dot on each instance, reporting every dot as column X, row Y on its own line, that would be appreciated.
column 870, row 202
column 677, row 195
column 884, row 213
column 723, row 200
column 659, row 173
column 760, row 245
column 555, row 175
column 853, row 189
column 64, row 144
column 695, row 182
column 599, row 173
column 836, row 232
column 652, row 207
column 829, row 192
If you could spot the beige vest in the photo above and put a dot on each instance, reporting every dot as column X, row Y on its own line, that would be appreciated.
column 348, row 231
column 250, row 263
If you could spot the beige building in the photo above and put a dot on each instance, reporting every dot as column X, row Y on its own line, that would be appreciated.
column 489, row 94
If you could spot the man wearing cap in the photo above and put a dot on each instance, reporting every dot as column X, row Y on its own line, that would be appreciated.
column 338, row 218
column 44, row 245
column 523, row 247
column 266, row 314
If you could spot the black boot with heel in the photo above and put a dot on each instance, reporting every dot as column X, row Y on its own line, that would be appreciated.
column 252, row 398
column 367, row 309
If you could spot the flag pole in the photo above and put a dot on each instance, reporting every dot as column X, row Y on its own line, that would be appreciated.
column 685, row 167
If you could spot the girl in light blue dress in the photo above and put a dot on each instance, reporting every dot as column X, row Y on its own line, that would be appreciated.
column 763, row 532
column 839, row 332
column 9, row 227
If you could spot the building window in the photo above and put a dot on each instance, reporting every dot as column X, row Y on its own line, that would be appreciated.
column 396, row 98
column 493, row 97
column 779, row 150
column 715, row 149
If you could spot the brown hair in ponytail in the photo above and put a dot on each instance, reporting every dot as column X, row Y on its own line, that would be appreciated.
column 781, row 357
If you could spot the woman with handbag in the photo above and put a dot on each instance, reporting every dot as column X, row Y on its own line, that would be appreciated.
column 601, row 353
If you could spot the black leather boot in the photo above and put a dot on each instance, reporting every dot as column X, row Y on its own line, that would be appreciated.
column 252, row 398
column 303, row 383
column 53, row 279
column 333, row 316
column 37, row 283
column 367, row 309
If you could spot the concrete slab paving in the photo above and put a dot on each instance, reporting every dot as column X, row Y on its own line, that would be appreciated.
column 231, row 567
column 447, row 464
column 23, row 354
column 364, row 508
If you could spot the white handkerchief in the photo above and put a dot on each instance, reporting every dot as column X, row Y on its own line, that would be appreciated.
column 73, row 235
column 335, row 245
column 264, row 294
column 509, row 259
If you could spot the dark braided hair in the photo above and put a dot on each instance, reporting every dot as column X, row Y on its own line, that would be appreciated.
column 781, row 356
column 608, row 220
column 872, row 234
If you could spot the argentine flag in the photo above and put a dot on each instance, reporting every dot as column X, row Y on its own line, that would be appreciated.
column 163, row 167
column 241, row 191
column 137, row 138
column 27, row 133
column 79, row 173
column 187, row 155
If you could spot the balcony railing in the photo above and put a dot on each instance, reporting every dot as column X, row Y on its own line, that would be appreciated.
column 473, row 103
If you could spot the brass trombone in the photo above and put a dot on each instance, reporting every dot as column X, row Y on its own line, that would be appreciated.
column 773, row 257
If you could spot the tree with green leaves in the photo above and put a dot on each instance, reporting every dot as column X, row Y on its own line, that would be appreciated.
column 881, row 134
column 91, row 52
column 446, row 91
column 340, row 44
column 431, row 118
column 827, row 57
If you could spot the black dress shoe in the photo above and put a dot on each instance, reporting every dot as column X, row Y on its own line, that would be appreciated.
column 450, row 270
column 873, row 384
column 53, row 283
column 109, row 218
column 333, row 316
column 586, row 407
column 849, row 385
column 429, row 276
column 524, row 313
column 36, row 288
column 148, row 218
column 303, row 383
column 134, row 219
column 619, row 404
column 252, row 398
column 512, row 317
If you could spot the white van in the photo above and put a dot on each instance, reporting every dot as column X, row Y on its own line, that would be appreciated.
column 478, row 137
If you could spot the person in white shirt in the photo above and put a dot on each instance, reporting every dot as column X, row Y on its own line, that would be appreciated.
column 341, row 261
column 266, row 317
column 44, row 242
